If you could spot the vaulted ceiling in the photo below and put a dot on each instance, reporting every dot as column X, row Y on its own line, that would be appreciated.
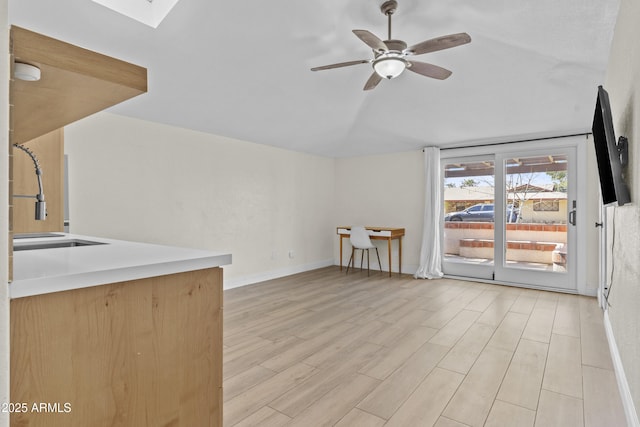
column 241, row 69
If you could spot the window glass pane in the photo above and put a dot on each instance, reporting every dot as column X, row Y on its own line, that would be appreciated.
column 536, row 212
column 469, row 189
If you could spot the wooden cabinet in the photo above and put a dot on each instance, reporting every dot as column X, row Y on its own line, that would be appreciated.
column 141, row 353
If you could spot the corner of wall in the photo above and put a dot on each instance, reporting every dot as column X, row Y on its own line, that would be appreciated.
column 4, row 210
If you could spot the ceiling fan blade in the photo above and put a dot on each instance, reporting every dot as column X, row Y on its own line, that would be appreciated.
column 440, row 43
column 372, row 82
column 340, row 64
column 428, row 70
column 371, row 40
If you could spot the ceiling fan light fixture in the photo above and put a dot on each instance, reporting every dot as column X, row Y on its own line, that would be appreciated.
column 389, row 67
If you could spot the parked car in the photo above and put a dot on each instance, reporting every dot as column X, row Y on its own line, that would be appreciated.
column 482, row 212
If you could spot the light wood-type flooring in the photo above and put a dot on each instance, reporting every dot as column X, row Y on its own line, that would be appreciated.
column 323, row 348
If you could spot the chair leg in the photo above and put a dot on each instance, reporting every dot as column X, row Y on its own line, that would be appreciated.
column 368, row 262
column 351, row 259
column 361, row 259
column 379, row 263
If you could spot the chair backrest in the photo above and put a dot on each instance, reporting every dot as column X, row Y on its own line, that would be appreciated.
column 360, row 237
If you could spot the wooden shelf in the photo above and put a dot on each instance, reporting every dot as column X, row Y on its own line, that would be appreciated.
column 74, row 84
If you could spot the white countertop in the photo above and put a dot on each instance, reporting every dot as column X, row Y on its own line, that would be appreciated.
column 41, row 271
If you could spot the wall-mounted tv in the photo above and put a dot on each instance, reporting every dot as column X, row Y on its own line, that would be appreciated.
column 609, row 153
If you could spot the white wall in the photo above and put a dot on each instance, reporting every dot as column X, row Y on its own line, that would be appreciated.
column 623, row 84
column 4, row 210
column 137, row 180
column 385, row 190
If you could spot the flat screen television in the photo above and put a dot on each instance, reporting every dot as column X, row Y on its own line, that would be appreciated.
column 608, row 153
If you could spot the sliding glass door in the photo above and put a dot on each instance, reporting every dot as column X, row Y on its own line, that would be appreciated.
column 510, row 216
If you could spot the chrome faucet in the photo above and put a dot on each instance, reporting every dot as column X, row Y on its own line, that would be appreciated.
column 41, row 205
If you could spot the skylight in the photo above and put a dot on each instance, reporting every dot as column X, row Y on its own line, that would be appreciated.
column 149, row 12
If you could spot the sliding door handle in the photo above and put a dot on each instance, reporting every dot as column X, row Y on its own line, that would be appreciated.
column 572, row 214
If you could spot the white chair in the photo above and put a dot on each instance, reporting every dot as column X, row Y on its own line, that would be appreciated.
column 360, row 240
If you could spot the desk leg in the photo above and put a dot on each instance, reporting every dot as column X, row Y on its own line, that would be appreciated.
column 389, row 250
column 340, row 252
column 400, row 255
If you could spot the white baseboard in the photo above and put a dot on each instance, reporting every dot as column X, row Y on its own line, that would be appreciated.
column 623, row 385
column 406, row 268
column 236, row 282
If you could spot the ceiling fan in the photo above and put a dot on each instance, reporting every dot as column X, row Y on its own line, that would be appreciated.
column 390, row 56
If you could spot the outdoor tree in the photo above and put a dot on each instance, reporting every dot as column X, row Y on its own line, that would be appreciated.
column 559, row 179
column 519, row 188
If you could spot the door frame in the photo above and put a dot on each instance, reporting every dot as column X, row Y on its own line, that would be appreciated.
column 579, row 142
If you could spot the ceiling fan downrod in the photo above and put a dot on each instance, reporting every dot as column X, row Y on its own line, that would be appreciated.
column 388, row 8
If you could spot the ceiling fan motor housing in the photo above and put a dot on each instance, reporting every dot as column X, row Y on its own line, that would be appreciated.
column 396, row 45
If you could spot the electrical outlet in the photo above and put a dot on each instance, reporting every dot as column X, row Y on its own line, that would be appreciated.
column 292, row 254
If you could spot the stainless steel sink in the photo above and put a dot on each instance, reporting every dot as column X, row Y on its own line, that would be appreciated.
column 66, row 243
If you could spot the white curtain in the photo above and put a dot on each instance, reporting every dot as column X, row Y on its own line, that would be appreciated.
column 430, row 253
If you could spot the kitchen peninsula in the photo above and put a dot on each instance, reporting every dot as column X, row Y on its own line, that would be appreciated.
column 103, row 332
column 118, row 333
